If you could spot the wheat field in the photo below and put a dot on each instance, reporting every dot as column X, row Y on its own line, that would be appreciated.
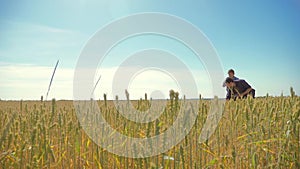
column 252, row 133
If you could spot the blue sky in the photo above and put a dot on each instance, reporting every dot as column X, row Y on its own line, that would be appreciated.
column 259, row 39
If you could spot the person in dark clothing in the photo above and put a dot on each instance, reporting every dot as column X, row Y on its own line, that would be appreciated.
column 233, row 77
column 238, row 89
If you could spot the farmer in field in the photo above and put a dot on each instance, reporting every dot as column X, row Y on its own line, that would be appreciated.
column 230, row 75
column 238, row 89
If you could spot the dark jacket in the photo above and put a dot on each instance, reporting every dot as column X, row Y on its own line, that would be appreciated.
column 240, row 87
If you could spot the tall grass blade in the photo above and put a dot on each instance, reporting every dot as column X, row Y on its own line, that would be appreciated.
column 51, row 79
column 95, row 86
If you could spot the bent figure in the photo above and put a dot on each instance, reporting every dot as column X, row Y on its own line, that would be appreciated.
column 238, row 89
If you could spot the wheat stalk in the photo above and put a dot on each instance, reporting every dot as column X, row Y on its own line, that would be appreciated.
column 51, row 79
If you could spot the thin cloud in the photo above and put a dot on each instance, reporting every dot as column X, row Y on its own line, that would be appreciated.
column 35, row 43
column 25, row 81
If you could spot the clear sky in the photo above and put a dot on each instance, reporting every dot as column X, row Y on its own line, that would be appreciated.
column 259, row 39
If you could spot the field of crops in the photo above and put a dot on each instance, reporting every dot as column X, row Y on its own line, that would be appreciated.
column 252, row 133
